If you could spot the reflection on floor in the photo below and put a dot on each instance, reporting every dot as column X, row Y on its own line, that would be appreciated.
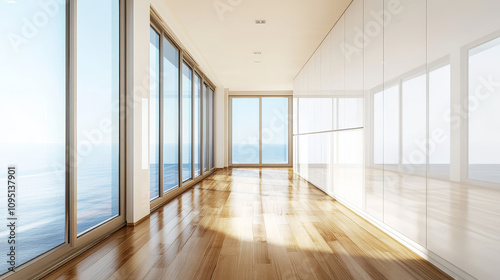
column 250, row 224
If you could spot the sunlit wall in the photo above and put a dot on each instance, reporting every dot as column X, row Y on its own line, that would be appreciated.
column 396, row 115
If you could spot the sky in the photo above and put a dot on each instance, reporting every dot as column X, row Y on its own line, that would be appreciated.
column 33, row 74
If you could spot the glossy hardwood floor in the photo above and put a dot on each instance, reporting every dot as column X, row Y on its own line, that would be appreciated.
column 250, row 224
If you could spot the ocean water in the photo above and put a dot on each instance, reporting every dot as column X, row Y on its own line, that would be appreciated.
column 41, row 197
column 171, row 173
column 40, row 213
column 41, row 192
column 170, row 176
column 249, row 154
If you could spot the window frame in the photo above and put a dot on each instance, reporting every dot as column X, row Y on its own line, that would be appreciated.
column 184, row 58
column 75, row 244
column 181, row 127
column 196, row 76
column 160, row 119
column 121, row 127
column 290, row 131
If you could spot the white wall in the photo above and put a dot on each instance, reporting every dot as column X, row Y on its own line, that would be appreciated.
column 138, row 24
column 220, row 120
column 395, row 74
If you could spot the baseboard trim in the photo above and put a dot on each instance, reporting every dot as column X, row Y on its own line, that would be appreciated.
column 138, row 222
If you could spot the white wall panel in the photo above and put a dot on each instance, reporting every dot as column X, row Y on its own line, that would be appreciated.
column 404, row 52
column 337, row 65
column 324, row 100
column 463, row 217
column 413, row 65
column 373, row 80
column 319, row 147
column 353, row 49
column 325, row 61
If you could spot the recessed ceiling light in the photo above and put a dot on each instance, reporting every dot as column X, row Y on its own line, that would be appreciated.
column 260, row 21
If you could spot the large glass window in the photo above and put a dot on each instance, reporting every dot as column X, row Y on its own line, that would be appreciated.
column 484, row 113
column 245, row 130
column 180, row 118
column 154, row 115
column 60, row 111
column 97, row 122
column 33, row 137
column 197, row 126
column 260, row 132
column 205, row 128
column 187, row 89
column 170, row 115
column 211, row 128
column 275, row 130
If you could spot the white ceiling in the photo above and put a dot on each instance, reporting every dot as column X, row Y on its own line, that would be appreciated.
column 227, row 38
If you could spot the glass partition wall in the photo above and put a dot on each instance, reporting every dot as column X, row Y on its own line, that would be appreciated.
column 181, row 118
column 60, row 95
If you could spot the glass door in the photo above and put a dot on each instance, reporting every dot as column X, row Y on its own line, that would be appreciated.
column 245, row 129
column 260, row 131
column 33, row 138
column 98, row 124
column 60, row 100
column 170, row 116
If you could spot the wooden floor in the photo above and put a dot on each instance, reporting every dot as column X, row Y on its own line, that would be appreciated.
column 250, row 224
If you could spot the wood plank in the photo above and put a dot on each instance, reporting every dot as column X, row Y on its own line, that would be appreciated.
column 250, row 224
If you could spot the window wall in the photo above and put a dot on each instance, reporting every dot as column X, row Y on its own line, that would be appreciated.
column 197, row 126
column 170, row 115
column 205, row 121
column 187, row 121
column 180, row 118
column 210, row 135
column 275, row 130
column 97, row 123
column 154, row 119
column 260, row 130
column 245, row 118
column 33, row 139
column 60, row 95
